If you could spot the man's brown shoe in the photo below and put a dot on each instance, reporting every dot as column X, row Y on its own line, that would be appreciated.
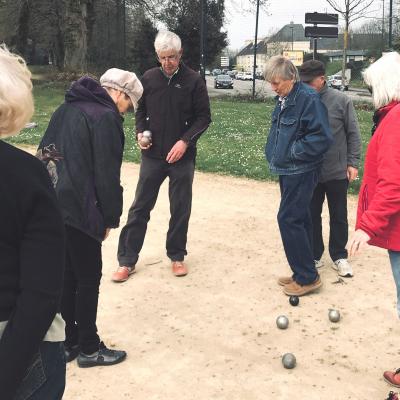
column 179, row 268
column 393, row 378
column 285, row 280
column 122, row 274
column 294, row 289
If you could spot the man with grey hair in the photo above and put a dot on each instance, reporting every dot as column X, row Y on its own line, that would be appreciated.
column 340, row 166
column 298, row 138
column 82, row 149
column 175, row 109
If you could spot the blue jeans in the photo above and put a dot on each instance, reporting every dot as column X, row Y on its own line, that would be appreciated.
column 45, row 378
column 394, row 257
column 295, row 224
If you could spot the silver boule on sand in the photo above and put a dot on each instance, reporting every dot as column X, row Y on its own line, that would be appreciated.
column 334, row 315
column 282, row 322
column 289, row 360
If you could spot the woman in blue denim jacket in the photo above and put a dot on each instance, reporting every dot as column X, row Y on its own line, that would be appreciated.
column 298, row 138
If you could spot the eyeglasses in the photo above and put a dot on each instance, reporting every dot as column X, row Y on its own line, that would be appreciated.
column 168, row 58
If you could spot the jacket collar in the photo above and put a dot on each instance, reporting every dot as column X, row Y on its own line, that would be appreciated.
column 291, row 97
column 381, row 113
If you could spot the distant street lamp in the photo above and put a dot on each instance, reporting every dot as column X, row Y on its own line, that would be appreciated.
column 292, row 27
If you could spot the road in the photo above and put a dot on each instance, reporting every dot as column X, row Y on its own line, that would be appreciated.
column 264, row 89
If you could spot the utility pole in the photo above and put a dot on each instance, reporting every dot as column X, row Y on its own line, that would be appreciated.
column 255, row 50
column 124, row 33
column 203, row 6
column 383, row 25
column 390, row 23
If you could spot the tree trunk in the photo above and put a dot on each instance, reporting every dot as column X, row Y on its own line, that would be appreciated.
column 75, row 35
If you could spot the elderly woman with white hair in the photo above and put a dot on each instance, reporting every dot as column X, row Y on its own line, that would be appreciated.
column 32, row 363
column 378, row 213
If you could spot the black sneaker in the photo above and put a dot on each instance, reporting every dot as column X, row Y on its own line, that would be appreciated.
column 103, row 356
column 71, row 352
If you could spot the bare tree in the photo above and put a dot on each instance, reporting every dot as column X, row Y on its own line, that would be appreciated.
column 350, row 10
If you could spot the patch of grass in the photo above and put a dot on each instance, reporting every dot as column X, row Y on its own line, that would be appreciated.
column 233, row 145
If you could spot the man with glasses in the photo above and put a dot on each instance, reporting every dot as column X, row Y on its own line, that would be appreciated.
column 175, row 109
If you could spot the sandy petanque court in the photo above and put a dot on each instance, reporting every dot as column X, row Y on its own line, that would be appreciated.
column 212, row 334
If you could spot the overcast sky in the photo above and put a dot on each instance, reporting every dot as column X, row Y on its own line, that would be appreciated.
column 241, row 25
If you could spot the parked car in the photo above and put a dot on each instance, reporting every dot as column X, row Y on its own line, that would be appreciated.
column 248, row 76
column 335, row 82
column 216, row 72
column 259, row 75
column 207, row 72
column 223, row 81
column 239, row 76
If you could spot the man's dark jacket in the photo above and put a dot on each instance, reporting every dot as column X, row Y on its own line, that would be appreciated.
column 173, row 109
column 82, row 149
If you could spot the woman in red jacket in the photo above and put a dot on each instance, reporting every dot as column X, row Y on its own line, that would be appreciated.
column 378, row 213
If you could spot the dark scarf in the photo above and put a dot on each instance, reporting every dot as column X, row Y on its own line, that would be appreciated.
column 380, row 113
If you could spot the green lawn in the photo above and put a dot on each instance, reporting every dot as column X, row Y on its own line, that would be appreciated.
column 233, row 145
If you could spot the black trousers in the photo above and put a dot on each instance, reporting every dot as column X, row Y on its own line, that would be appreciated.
column 336, row 193
column 81, row 290
column 152, row 174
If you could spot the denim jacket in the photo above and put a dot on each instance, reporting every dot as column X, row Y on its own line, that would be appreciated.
column 299, row 134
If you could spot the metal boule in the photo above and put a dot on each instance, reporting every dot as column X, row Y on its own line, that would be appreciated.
column 147, row 133
column 144, row 141
column 282, row 322
column 334, row 315
column 294, row 300
column 289, row 360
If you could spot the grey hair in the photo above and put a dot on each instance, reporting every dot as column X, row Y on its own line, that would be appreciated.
column 166, row 40
column 280, row 67
column 383, row 76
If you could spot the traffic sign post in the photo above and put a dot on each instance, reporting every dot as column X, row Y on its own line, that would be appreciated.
column 321, row 18
column 320, row 31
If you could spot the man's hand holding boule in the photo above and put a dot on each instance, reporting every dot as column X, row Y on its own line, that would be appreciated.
column 144, row 145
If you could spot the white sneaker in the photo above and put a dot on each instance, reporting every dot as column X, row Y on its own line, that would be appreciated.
column 343, row 268
column 318, row 263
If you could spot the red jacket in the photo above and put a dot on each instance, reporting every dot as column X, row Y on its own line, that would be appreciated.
column 378, row 212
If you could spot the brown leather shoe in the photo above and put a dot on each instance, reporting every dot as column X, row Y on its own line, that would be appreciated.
column 179, row 268
column 285, row 280
column 122, row 274
column 295, row 289
column 393, row 378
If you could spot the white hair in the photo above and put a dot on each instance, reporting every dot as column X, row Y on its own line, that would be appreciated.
column 280, row 67
column 16, row 102
column 383, row 76
column 166, row 40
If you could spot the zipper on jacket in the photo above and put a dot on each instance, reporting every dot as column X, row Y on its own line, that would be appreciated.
column 365, row 198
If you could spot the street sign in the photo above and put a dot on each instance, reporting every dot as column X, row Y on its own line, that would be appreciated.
column 321, row 18
column 321, row 31
column 224, row 61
